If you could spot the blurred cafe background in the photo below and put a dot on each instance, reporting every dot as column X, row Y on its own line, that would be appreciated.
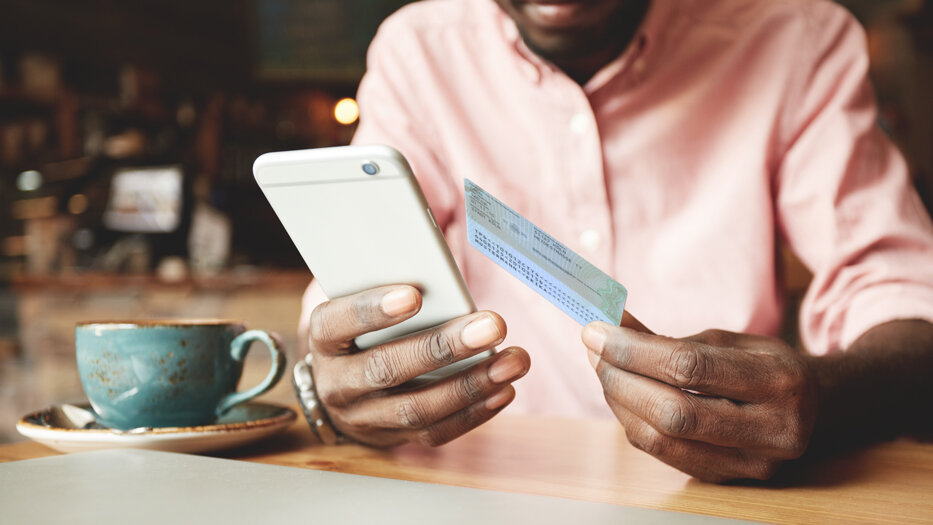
column 127, row 136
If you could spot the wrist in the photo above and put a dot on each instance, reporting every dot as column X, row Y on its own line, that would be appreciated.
column 877, row 387
column 828, row 372
column 311, row 405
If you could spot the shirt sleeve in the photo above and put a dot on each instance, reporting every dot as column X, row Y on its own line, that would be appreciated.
column 844, row 199
column 391, row 113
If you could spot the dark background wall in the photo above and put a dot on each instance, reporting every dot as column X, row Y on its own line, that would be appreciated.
column 213, row 83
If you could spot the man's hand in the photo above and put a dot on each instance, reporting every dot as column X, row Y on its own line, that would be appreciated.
column 358, row 388
column 717, row 405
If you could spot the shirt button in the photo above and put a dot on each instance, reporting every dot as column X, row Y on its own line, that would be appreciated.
column 590, row 240
column 579, row 124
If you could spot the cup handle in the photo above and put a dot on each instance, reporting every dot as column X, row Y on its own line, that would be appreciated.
column 238, row 349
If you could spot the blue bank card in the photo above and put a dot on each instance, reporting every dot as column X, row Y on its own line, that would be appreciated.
column 540, row 261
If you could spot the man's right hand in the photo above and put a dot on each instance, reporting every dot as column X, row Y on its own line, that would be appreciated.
column 358, row 387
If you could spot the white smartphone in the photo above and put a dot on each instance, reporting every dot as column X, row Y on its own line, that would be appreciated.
column 359, row 220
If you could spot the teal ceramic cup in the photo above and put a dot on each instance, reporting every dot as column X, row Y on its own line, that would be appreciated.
column 168, row 373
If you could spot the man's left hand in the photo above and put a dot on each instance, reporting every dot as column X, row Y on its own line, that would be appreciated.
column 717, row 405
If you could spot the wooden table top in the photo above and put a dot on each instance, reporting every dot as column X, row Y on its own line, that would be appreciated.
column 591, row 460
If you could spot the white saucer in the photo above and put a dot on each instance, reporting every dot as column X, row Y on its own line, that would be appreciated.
column 244, row 424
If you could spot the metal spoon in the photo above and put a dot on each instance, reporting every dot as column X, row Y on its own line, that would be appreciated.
column 77, row 418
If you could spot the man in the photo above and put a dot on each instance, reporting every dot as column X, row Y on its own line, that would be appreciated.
column 672, row 143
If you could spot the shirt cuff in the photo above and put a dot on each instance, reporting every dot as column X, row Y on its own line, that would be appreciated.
column 884, row 303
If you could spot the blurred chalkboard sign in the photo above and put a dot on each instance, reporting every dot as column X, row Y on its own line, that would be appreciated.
column 317, row 40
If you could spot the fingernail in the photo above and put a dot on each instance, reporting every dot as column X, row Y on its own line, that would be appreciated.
column 398, row 302
column 507, row 367
column 500, row 398
column 594, row 337
column 481, row 332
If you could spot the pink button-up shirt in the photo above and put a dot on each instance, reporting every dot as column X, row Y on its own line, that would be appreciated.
column 727, row 126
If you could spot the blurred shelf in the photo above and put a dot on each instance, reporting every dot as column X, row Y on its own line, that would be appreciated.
column 225, row 281
column 15, row 103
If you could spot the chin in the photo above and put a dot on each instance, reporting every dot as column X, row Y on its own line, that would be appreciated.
column 561, row 46
column 567, row 29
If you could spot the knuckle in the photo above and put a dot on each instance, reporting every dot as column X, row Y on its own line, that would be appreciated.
column 349, row 420
column 610, row 380
column 620, row 350
column 716, row 337
column 763, row 470
column 363, row 310
column 329, row 394
column 431, row 437
column 468, row 388
column 458, row 424
column 709, row 476
column 687, row 365
column 437, row 348
column 789, row 381
column 381, row 369
column 796, row 448
column 411, row 414
column 649, row 441
column 468, row 419
column 791, row 441
column 320, row 327
column 674, row 418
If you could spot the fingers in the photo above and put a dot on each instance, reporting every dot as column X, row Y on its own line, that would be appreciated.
column 725, row 339
column 483, row 385
column 357, row 386
column 396, row 362
column 692, row 365
column 442, row 431
column 701, row 460
column 677, row 414
column 465, row 420
column 629, row 321
column 334, row 324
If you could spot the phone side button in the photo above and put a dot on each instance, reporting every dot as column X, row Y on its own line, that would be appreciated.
column 431, row 216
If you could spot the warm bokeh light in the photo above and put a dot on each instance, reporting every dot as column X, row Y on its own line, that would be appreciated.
column 346, row 111
column 77, row 204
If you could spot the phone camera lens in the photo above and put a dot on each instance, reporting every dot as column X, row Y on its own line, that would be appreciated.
column 370, row 168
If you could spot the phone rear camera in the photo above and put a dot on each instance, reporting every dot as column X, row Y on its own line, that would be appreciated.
column 370, row 168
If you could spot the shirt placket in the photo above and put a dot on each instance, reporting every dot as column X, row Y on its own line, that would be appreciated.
column 577, row 152
column 583, row 178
